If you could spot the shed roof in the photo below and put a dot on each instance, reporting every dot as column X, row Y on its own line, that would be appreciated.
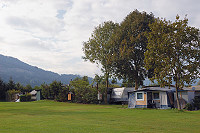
column 34, row 92
column 195, row 87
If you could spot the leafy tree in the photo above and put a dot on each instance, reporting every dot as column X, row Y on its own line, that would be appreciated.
column 126, row 83
column 85, row 78
column 10, row 85
column 19, row 87
column 45, row 91
column 54, row 89
column 173, row 52
column 130, row 44
column 27, row 89
column 62, row 94
column 98, row 49
column 83, row 92
column 37, row 88
column 2, row 90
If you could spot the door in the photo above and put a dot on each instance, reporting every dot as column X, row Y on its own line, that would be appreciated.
column 149, row 100
column 132, row 101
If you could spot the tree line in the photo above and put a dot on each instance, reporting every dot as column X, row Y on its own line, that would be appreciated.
column 80, row 89
column 142, row 46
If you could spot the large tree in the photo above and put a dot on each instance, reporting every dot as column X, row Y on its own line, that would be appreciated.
column 173, row 52
column 130, row 44
column 99, row 50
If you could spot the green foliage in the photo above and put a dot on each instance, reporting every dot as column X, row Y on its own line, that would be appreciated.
column 180, row 39
column 36, row 88
column 99, row 49
column 83, row 92
column 25, row 98
column 10, row 85
column 2, row 90
column 11, row 94
column 54, row 88
column 22, row 98
column 27, row 89
column 45, row 91
column 19, row 87
column 126, row 83
column 173, row 52
column 54, row 91
column 129, row 43
column 62, row 94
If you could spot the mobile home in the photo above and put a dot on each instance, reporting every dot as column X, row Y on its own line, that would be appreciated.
column 159, row 97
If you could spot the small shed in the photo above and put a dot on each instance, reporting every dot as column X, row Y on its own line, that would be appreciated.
column 35, row 95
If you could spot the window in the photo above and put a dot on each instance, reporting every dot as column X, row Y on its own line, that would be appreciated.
column 156, row 95
column 140, row 96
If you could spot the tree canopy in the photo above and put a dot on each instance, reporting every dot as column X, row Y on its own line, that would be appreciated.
column 130, row 44
column 173, row 52
column 99, row 50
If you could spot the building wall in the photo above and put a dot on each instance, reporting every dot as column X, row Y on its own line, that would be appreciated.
column 144, row 102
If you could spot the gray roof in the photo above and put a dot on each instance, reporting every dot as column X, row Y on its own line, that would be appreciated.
column 166, row 88
column 195, row 87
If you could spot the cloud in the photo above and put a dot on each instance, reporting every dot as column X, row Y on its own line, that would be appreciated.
column 49, row 33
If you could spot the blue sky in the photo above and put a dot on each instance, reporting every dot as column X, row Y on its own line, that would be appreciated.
column 49, row 33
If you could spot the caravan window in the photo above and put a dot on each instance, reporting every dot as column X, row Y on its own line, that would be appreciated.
column 140, row 96
column 156, row 95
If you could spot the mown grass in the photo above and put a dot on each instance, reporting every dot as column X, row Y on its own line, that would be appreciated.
column 55, row 117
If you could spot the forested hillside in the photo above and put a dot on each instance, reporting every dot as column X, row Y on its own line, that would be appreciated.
column 27, row 74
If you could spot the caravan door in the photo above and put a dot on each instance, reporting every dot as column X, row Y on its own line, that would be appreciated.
column 132, row 101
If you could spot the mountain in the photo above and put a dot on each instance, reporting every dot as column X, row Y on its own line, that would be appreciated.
column 26, row 74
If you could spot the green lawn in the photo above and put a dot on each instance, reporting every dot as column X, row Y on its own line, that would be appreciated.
column 55, row 117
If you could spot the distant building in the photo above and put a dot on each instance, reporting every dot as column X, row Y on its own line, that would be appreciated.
column 35, row 95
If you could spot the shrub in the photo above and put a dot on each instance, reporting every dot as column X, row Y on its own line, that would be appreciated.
column 62, row 95
column 22, row 98
column 28, row 97
column 25, row 98
column 189, row 106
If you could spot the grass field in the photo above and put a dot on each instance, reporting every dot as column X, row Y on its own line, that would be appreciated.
column 55, row 117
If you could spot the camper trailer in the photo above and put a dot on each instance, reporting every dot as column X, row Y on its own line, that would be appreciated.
column 120, row 95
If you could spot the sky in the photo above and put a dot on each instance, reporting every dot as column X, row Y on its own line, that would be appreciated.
column 49, row 34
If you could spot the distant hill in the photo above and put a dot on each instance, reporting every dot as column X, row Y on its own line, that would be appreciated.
column 27, row 74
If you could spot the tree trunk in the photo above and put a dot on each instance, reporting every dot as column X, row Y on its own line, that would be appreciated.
column 177, row 98
column 136, row 85
column 105, row 97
